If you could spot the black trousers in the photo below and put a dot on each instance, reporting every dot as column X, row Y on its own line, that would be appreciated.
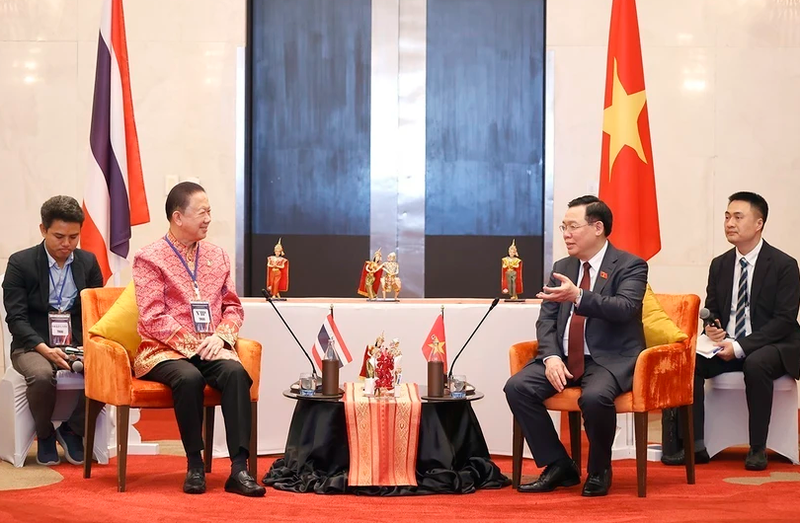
column 526, row 392
column 188, row 378
column 760, row 369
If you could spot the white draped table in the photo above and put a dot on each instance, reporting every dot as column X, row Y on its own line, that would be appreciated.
column 484, row 362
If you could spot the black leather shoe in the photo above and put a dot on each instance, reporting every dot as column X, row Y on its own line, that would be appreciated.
column 597, row 484
column 756, row 459
column 195, row 482
column 560, row 474
column 679, row 458
column 243, row 483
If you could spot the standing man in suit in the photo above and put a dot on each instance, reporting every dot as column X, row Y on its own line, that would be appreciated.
column 590, row 334
column 754, row 294
column 41, row 294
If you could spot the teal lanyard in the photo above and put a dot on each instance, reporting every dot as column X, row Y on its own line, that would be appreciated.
column 63, row 283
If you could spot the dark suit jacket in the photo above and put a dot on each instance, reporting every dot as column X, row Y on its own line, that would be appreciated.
column 613, row 311
column 774, row 302
column 26, row 289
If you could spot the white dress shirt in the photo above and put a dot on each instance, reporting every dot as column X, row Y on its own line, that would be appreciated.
column 594, row 270
column 751, row 258
column 62, row 284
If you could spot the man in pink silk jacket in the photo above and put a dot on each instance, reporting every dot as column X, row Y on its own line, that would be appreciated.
column 189, row 320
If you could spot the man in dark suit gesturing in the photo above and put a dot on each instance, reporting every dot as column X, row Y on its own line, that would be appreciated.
column 41, row 294
column 590, row 334
column 754, row 294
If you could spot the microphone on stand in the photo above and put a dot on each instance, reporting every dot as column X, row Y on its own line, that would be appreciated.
column 492, row 306
column 268, row 297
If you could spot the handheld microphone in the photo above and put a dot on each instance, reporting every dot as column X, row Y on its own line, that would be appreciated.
column 74, row 359
column 708, row 318
column 76, row 366
column 269, row 299
column 492, row 306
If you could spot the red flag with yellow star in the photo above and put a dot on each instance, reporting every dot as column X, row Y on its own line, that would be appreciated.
column 627, row 179
column 435, row 341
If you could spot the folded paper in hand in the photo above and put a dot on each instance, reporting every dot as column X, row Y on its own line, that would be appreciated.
column 705, row 347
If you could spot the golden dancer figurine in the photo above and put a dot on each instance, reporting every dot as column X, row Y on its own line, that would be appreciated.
column 390, row 281
column 371, row 275
column 511, row 273
column 277, row 272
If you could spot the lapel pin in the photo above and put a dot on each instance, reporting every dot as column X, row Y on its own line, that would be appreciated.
column 604, row 275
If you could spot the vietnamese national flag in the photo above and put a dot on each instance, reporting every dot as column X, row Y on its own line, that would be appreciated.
column 435, row 340
column 627, row 179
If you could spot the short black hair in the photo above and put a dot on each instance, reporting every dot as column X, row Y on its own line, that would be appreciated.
column 596, row 211
column 755, row 200
column 64, row 208
column 178, row 197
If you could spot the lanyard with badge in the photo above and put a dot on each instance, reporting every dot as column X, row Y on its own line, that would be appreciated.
column 60, row 322
column 201, row 309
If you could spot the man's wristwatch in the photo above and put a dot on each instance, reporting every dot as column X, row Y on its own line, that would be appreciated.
column 580, row 294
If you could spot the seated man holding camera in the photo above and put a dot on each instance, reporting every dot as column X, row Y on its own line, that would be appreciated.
column 41, row 294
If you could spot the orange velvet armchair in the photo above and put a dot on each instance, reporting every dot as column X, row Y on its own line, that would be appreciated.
column 110, row 381
column 663, row 378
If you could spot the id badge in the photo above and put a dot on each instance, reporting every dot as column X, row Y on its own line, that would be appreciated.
column 60, row 327
column 201, row 317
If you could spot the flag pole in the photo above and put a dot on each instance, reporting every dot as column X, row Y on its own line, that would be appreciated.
column 445, row 354
column 331, row 310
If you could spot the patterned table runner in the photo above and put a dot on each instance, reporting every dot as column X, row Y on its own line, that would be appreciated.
column 383, row 435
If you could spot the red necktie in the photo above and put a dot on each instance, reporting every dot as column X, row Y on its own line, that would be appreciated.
column 575, row 343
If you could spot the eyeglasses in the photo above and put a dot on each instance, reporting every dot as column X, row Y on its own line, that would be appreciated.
column 572, row 227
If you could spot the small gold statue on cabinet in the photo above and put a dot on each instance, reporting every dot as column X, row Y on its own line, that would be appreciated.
column 371, row 275
column 390, row 281
column 277, row 272
column 511, row 274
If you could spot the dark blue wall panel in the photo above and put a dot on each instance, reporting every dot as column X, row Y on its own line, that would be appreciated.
column 310, row 115
column 485, row 117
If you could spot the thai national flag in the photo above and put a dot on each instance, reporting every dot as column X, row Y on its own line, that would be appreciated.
column 114, row 198
column 326, row 332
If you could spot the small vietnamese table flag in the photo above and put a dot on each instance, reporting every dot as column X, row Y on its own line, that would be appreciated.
column 435, row 341
column 627, row 179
